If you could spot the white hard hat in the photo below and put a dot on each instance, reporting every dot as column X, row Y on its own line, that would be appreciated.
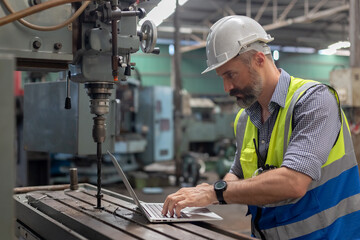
column 232, row 35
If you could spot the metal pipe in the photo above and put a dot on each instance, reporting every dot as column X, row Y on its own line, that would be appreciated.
column 41, row 188
column 116, row 15
column 354, row 33
column 34, row 9
column 115, row 57
column 177, row 95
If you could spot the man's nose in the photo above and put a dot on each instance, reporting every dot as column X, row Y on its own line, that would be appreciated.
column 228, row 86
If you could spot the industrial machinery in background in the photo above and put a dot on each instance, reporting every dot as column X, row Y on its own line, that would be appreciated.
column 346, row 82
column 141, row 132
column 91, row 42
column 208, row 136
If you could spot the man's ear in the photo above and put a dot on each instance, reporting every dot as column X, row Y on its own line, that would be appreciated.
column 259, row 59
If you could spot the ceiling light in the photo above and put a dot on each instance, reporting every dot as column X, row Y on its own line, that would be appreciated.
column 333, row 49
column 171, row 49
column 185, row 30
column 162, row 11
column 276, row 55
column 327, row 51
column 292, row 49
column 340, row 44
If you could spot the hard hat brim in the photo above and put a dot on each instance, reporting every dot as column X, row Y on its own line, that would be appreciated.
column 214, row 66
column 260, row 47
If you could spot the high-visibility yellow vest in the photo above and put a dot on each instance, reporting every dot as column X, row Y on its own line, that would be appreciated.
column 303, row 217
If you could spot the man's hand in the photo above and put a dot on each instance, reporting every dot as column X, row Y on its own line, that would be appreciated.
column 199, row 196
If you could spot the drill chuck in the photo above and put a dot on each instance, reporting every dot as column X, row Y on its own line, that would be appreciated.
column 99, row 129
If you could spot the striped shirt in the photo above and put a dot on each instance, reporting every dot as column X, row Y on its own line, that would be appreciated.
column 316, row 125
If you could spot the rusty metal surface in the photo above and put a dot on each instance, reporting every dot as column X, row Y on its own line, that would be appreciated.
column 66, row 214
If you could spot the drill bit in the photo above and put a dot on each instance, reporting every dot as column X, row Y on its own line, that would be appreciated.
column 99, row 195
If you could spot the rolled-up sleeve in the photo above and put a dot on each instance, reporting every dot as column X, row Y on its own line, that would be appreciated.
column 316, row 125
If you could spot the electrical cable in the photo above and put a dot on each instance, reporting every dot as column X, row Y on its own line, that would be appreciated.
column 47, row 28
column 34, row 9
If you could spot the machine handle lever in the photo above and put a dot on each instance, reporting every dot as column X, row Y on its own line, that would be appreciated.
column 117, row 103
column 68, row 98
column 127, row 71
column 156, row 51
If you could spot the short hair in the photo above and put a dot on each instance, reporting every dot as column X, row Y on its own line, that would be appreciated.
column 247, row 56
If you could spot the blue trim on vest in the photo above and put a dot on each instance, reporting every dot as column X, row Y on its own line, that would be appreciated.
column 319, row 199
column 345, row 228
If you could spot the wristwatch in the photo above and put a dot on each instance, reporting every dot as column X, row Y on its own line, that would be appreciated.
column 220, row 187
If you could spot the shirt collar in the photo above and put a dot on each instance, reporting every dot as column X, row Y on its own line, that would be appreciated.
column 279, row 95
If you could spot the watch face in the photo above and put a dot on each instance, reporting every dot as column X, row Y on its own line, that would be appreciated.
column 220, row 185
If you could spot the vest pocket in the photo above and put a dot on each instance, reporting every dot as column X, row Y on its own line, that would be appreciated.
column 248, row 161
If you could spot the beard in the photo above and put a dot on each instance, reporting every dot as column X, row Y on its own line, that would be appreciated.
column 249, row 94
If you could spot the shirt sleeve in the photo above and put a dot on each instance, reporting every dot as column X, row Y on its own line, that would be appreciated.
column 316, row 125
column 236, row 168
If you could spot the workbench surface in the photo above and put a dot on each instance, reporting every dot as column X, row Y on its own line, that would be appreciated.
column 66, row 214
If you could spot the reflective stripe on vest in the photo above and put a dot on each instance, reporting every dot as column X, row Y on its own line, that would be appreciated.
column 328, row 203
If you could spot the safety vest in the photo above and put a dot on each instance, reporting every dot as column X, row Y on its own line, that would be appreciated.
column 330, row 209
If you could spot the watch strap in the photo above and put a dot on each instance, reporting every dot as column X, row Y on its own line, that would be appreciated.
column 219, row 195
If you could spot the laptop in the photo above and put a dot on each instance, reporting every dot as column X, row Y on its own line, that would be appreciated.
column 152, row 211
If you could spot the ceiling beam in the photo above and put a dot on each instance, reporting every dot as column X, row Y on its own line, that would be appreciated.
column 275, row 9
column 261, row 10
column 193, row 47
column 308, row 18
column 287, row 10
column 317, row 7
column 248, row 8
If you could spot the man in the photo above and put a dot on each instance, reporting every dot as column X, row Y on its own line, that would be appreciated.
column 295, row 164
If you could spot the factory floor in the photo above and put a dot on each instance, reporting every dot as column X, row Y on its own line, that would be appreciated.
column 233, row 214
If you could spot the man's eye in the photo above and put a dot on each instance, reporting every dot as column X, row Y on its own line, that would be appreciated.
column 231, row 75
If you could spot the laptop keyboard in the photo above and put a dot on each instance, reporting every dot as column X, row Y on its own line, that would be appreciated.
column 156, row 209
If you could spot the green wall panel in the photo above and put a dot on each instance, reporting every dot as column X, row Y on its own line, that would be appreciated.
column 311, row 66
column 156, row 81
column 193, row 63
column 156, row 69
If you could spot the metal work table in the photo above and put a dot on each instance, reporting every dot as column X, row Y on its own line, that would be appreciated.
column 65, row 214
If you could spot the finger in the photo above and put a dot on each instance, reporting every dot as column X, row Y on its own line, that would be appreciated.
column 165, row 207
column 170, row 204
column 178, row 210
column 167, row 202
